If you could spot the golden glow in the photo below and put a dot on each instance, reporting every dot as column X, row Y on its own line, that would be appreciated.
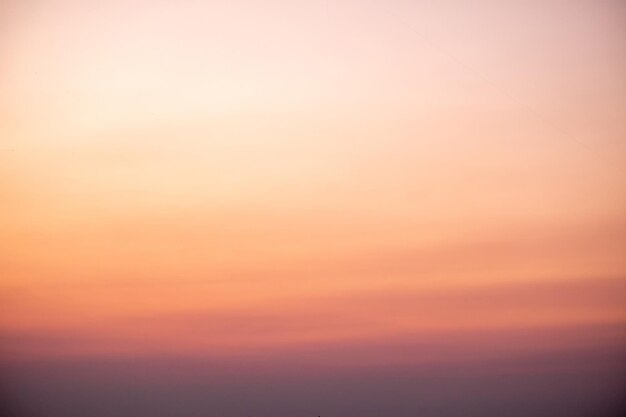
column 221, row 178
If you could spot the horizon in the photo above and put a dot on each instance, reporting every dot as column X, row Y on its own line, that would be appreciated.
column 262, row 208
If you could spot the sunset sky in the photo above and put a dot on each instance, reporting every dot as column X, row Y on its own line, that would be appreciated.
column 281, row 208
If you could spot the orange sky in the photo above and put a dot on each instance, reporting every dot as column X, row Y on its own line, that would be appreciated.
column 231, row 179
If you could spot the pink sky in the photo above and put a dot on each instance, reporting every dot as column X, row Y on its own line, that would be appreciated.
column 282, row 186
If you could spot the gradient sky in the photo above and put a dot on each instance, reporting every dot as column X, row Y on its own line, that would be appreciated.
column 352, row 208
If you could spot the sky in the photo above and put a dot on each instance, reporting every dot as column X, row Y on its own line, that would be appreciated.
column 350, row 208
